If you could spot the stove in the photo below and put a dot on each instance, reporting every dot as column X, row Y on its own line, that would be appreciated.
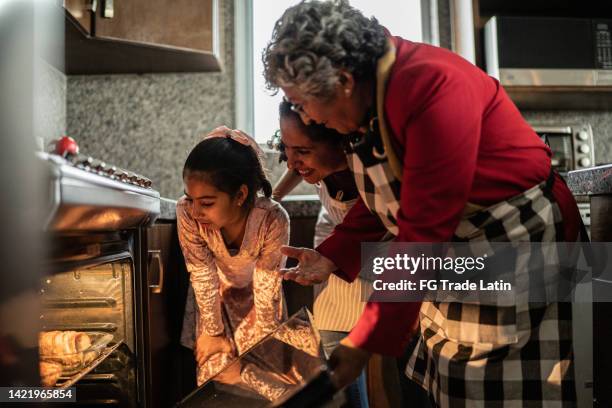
column 98, row 217
column 90, row 195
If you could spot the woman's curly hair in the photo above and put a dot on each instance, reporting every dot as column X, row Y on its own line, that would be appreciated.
column 313, row 40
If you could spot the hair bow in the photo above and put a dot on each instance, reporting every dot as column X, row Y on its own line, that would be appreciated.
column 237, row 135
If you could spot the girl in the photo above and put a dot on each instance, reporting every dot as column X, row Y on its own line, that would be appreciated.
column 230, row 238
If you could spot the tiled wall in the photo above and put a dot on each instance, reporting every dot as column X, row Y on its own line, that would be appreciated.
column 148, row 123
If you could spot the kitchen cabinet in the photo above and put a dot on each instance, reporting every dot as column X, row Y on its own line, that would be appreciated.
column 596, row 182
column 141, row 36
column 181, row 23
column 170, row 372
column 81, row 12
column 601, row 231
column 301, row 235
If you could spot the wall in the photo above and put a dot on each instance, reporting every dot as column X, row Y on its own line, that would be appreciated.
column 148, row 123
column 50, row 106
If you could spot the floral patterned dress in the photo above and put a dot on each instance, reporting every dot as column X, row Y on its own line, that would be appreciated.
column 239, row 292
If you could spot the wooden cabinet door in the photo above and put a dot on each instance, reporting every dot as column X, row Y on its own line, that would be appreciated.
column 165, row 287
column 80, row 11
column 601, row 231
column 177, row 23
column 302, row 235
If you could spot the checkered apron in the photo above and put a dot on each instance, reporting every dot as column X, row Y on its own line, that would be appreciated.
column 472, row 355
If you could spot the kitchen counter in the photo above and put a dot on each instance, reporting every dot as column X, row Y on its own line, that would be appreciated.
column 167, row 209
column 593, row 181
column 300, row 206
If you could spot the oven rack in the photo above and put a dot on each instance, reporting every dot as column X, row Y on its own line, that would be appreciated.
column 71, row 380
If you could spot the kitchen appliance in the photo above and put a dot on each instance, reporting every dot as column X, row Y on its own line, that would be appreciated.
column 572, row 146
column 549, row 51
column 287, row 368
column 98, row 274
column 573, row 149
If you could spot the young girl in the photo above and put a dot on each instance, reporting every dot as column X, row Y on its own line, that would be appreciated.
column 230, row 238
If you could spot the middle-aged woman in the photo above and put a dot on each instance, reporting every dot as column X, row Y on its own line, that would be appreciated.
column 439, row 153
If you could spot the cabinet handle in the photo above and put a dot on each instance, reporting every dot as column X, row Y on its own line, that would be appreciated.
column 92, row 6
column 156, row 254
column 108, row 11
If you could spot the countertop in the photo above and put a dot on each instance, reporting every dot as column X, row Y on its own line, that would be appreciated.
column 296, row 206
column 167, row 209
column 592, row 181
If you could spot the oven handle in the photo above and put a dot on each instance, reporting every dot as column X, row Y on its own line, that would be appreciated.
column 156, row 254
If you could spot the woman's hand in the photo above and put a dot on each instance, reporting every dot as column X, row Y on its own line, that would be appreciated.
column 347, row 362
column 312, row 267
column 207, row 345
column 219, row 131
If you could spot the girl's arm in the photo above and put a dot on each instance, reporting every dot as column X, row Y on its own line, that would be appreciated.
column 202, row 270
column 288, row 181
column 267, row 281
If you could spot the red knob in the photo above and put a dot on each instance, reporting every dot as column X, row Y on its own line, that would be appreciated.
column 66, row 146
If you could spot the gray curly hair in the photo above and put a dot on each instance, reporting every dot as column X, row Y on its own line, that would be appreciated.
column 313, row 40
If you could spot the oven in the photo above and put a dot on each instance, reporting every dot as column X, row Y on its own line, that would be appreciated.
column 571, row 145
column 98, row 274
column 286, row 368
column 89, row 289
column 572, row 149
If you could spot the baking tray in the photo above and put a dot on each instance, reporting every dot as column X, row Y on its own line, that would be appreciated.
column 69, row 381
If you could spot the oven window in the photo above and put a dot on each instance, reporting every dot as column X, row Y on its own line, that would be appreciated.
column 561, row 146
column 87, row 326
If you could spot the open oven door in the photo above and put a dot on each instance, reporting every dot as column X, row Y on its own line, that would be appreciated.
column 287, row 368
column 87, row 294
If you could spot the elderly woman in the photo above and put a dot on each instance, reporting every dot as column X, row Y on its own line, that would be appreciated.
column 439, row 153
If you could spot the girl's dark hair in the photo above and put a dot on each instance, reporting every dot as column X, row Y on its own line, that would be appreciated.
column 228, row 165
column 315, row 132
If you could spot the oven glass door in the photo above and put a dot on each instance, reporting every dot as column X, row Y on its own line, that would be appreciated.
column 92, row 302
column 562, row 158
column 275, row 369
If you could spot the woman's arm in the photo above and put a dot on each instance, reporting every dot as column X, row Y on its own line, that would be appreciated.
column 267, row 281
column 288, row 181
column 435, row 187
column 202, row 270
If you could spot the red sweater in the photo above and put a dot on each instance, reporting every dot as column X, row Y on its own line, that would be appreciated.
column 464, row 141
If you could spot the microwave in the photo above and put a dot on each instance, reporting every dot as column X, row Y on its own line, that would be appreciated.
column 549, row 51
column 571, row 145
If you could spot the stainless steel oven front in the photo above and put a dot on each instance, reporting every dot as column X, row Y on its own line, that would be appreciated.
column 90, row 289
column 572, row 149
column 97, row 218
column 571, row 145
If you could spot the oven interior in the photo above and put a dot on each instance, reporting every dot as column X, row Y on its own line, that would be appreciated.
column 90, row 289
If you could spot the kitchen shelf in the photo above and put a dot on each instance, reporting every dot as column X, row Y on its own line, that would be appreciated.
column 571, row 98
